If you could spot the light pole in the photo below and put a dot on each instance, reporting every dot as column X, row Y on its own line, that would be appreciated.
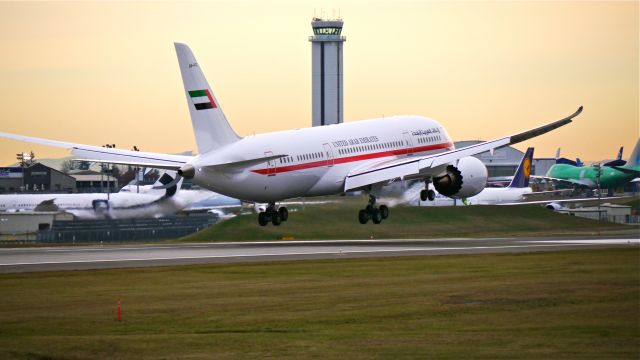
column 135, row 148
column 598, row 174
column 109, row 146
column 20, row 158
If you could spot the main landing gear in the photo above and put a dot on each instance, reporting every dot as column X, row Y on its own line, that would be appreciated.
column 427, row 194
column 376, row 214
column 276, row 217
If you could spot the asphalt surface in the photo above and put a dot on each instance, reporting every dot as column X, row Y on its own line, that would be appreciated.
column 103, row 257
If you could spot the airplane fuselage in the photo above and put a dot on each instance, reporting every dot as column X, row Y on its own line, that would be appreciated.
column 317, row 159
column 610, row 177
column 494, row 196
column 93, row 205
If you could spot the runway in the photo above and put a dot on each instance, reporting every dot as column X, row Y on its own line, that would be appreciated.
column 102, row 257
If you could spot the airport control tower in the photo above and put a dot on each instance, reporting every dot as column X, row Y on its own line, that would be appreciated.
column 326, row 72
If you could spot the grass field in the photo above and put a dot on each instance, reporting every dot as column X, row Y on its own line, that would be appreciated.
column 562, row 305
column 339, row 221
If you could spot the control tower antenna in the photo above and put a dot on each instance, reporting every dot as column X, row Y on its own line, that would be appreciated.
column 326, row 73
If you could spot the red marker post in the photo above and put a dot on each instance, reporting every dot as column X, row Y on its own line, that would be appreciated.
column 119, row 311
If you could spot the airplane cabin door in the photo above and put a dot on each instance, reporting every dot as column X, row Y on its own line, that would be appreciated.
column 328, row 153
column 407, row 143
column 271, row 164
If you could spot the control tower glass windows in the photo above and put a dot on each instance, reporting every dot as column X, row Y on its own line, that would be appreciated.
column 327, row 31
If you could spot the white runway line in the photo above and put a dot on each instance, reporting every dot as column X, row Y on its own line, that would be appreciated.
column 593, row 242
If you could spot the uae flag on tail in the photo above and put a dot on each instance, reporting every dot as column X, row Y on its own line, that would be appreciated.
column 202, row 99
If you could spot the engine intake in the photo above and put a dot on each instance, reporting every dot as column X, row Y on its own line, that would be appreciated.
column 450, row 183
column 467, row 178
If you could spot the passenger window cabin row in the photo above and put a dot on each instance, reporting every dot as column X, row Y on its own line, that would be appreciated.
column 429, row 139
column 357, row 149
column 371, row 147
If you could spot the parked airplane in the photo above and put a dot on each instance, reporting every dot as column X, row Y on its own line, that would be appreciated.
column 268, row 168
column 613, row 174
column 151, row 203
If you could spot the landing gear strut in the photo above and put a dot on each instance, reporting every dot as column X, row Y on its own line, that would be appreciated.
column 274, row 215
column 376, row 214
column 427, row 194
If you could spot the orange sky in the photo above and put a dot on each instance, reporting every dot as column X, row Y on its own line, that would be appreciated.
column 99, row 73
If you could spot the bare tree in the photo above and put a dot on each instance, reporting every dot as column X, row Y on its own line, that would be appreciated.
column 66, row 166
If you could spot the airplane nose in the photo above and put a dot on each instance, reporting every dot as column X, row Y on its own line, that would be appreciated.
column 187, row 171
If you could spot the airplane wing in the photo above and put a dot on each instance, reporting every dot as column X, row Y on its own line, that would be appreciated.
column 627, row 170
column 582, row 182
column 572, row 200
column 428, row 165
column 558, row 192
column 109, row 155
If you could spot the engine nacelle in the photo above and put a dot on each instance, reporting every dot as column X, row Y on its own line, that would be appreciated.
column 101, row 206
column 553, row 206
column 464, row 180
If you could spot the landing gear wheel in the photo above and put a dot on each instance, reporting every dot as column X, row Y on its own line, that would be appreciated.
column 384, row 211
column 284, row 213
column 263, row 219
column 431, row 195
column 363, row 216
column 276, row 219
column 376, row 217
column 423, row 195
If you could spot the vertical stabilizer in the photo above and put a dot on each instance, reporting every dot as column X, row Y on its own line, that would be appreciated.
column 634, row 159
column 521, row 178
column 210, row 126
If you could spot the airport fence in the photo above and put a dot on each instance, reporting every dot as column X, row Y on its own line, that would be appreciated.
column 125, row 230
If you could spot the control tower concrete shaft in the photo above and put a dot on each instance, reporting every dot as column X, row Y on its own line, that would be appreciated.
column 326, row 72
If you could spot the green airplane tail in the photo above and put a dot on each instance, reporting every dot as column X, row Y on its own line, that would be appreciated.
column 634, row 159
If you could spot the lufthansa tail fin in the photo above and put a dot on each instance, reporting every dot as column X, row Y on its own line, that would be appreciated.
column 210, row 126
column 521, row 177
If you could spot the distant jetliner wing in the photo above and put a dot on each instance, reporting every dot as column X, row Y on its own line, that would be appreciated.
column 582, row 182
column 109, row 155
column 429, row 165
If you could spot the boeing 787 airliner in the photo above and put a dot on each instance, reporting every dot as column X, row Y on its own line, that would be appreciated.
column 268, row 168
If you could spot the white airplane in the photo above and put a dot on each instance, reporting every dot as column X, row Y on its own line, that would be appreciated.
column 151, row 203
column 271, row 167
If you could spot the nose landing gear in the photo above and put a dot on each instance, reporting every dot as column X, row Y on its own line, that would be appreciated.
column 376, row 214
column 273, row 215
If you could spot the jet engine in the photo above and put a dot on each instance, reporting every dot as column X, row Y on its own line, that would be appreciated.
column 467, row 178
column 101, row 207
column 553, row 206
